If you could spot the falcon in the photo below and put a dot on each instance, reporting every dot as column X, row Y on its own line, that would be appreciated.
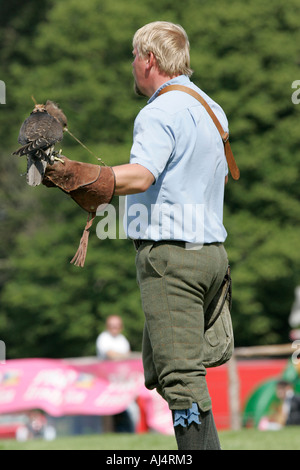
column 38, row 135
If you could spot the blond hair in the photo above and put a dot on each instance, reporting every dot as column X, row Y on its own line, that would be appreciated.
column 169, row 44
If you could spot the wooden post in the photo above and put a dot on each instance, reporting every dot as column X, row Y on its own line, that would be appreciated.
column 234, row 394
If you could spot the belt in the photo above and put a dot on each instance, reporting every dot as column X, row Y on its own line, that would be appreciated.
column 139, row 242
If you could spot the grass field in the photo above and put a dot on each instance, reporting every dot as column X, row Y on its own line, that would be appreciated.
column 247, row 439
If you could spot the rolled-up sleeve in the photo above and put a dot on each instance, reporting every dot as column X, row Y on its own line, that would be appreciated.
column 153, row 140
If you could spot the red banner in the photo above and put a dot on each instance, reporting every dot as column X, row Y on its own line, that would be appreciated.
column 89, row 386
column 61, row 387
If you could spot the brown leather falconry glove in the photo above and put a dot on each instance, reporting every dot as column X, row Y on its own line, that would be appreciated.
column 89, row 185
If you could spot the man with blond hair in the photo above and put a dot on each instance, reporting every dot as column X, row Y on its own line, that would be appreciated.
column 177, row 160
column 174, row 185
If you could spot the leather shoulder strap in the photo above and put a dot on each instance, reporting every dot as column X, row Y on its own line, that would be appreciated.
column 235, row 172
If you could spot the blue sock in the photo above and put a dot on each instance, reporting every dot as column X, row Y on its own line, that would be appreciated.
column 188, row 416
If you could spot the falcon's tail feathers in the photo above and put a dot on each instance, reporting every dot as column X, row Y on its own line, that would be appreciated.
column 32, row 147
column 35, row 171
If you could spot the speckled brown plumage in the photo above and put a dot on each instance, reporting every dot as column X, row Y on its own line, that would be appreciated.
column 38, row 135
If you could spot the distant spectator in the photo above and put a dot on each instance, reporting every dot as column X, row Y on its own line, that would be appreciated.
column 112, row 344
column 287, row 411
column 290, row 403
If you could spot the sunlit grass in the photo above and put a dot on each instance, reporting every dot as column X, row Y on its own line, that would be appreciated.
column 247, row 439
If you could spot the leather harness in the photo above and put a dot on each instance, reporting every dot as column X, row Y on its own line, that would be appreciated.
column 235, row 172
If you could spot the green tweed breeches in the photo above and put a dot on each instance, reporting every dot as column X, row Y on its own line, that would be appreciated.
column 176, row 285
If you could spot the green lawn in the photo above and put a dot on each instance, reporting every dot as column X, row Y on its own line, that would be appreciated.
column 247, row 439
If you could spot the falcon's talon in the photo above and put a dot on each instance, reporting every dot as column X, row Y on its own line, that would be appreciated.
column 59, row 159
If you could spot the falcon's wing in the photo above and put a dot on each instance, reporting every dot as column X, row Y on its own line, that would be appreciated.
column 42, row 128
column 39, row 131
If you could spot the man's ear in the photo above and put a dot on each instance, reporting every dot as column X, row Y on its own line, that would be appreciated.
column 151, row 60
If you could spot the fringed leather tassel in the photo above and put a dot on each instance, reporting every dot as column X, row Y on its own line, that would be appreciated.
column 79, row 258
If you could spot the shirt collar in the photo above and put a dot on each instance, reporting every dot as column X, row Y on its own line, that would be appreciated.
column 180, row 80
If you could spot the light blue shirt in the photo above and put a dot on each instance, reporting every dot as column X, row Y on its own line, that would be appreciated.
column 176, row 140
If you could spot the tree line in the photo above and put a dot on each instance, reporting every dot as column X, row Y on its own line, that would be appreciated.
column 79, row 54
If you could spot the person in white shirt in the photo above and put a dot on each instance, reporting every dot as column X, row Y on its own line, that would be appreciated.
column 112, row 344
